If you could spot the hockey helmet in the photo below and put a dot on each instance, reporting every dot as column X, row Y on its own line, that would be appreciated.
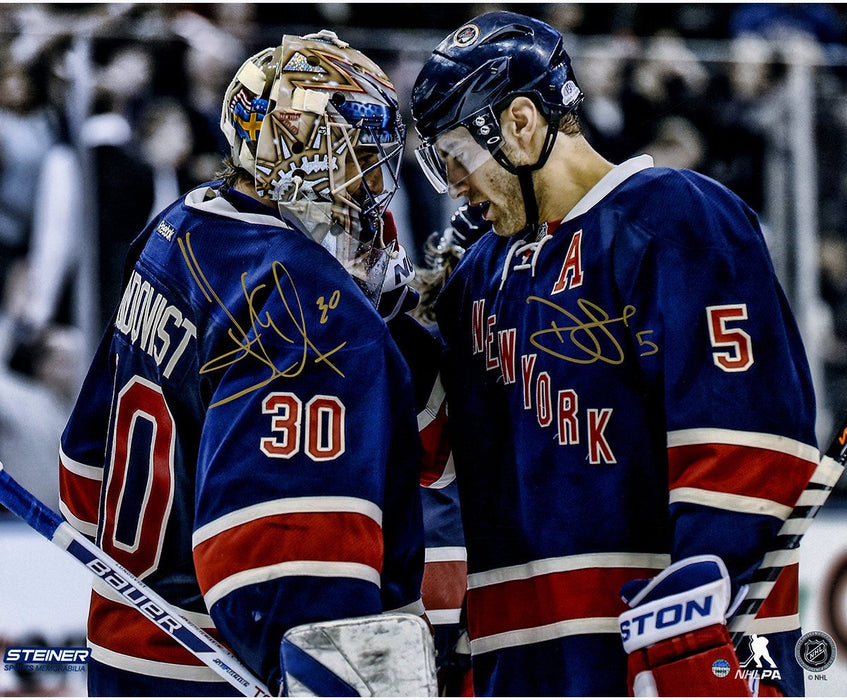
column 317, row 125
column 475, row 73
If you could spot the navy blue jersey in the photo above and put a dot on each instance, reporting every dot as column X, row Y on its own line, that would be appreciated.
column 245, row 443
column 627, row 391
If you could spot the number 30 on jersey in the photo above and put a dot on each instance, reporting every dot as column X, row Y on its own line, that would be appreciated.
column 317, row 428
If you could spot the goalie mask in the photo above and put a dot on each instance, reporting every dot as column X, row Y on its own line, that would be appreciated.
column 317, row 125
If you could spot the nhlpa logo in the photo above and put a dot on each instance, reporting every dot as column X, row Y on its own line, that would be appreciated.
column 165, row 230
column 759, row 663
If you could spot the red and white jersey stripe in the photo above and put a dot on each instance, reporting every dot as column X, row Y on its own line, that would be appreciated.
column 570, row 595
column 320, row 536
column 437, row 469
column 79, row 493
column 120, row 636
column 444, row 583
column 726, row 469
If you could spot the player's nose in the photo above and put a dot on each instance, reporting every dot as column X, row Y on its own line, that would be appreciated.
column 457, row 189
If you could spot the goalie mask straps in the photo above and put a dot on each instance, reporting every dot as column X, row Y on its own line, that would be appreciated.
column 313, row 674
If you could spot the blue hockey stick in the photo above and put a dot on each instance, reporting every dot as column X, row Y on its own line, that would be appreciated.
column 155, row 608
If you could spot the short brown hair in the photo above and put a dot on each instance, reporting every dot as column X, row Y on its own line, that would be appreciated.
column 570, row 124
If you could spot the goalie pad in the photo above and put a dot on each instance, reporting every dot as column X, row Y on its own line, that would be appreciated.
column 379, row 655
column 676, row 634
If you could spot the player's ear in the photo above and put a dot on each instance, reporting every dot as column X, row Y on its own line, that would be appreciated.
column 520, row 123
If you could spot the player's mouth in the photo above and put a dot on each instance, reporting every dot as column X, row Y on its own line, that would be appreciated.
column 483, row 208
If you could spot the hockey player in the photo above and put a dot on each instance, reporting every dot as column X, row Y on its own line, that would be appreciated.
column 245, row 441
column 631, row 410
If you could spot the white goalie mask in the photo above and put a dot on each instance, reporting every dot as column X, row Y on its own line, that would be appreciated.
column 317, row 124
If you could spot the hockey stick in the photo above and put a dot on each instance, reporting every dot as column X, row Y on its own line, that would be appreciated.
column 786, row 552
column 155, row 608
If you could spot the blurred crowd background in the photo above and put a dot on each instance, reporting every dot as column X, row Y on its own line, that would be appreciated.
column 109, row 111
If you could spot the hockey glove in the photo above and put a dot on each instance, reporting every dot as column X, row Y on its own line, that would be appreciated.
column 676, row 634
column 469, row 225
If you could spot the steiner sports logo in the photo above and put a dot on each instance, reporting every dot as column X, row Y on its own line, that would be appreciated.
column 46, row 658
column 815, row 651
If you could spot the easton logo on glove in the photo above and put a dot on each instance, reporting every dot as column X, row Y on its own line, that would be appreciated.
column 674, row 615
column 687, row 596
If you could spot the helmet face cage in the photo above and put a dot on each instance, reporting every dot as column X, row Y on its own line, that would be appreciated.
column 317, row 124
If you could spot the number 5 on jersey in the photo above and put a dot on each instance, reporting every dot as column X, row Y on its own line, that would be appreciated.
column 318, row 427
column 723, row 333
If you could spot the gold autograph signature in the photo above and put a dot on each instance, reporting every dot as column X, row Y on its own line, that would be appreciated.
column 248, row 342
column 591, row 335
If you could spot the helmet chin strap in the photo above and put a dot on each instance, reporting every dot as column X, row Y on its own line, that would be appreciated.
column 524, row 173
column 530, row 203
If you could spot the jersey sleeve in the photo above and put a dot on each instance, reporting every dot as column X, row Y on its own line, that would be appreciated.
column 82, row 449
column 422, row 350
column 307, row 498
column 724, row 364
column 445, row 572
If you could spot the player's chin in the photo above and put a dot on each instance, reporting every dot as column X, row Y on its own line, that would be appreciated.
column 505, row 227
column 489, row 213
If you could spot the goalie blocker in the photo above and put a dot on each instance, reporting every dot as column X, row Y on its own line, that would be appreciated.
column 676, row 634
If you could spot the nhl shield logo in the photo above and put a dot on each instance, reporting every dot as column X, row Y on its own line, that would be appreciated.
column 815, row 651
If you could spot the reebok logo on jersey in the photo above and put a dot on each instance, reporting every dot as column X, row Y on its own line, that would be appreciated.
column 165, row 230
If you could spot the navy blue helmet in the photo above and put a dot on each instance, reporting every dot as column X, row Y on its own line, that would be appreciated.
column 477, row 70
